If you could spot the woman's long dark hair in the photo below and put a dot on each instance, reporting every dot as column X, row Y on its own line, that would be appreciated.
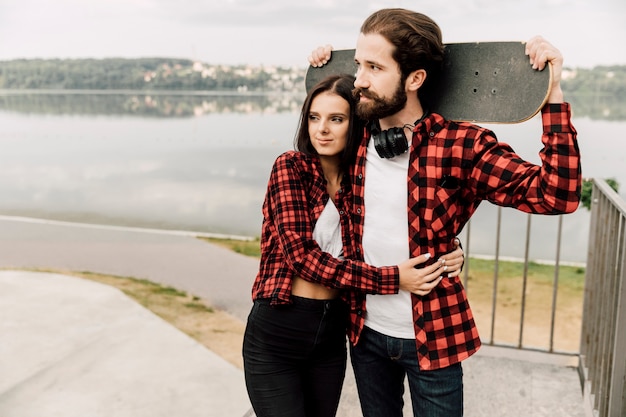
column 341, row 85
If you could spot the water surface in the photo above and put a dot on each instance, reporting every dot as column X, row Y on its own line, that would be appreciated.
column 201, row 163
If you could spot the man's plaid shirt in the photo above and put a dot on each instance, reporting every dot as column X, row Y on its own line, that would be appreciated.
column 453, row 167
column 296, row 196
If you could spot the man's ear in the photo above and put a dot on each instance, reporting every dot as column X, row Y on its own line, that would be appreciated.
column 416, row 79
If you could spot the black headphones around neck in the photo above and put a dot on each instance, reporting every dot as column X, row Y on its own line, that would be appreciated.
column 391, row 142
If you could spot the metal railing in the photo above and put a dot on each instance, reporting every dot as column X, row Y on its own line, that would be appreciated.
column 526, row 261
column 602, row 365
column 602, row 355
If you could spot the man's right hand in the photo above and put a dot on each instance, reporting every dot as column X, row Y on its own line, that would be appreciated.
column 541, row 53
column 320, row 55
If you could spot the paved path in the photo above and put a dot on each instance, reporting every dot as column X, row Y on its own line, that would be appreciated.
column 182, row 261
column 73, row 348
column 498, row 382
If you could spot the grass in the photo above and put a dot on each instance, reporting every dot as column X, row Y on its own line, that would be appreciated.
column 511, row 297
column 534, row 301
column 245, row 247
column 573, row 275
column 223, row 333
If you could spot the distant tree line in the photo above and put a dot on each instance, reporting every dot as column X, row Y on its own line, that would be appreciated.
column 601, row 80
column 143, row 74
column 185, row 74
column 599, row 93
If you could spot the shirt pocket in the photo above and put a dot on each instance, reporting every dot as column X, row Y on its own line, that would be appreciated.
column 445, row 204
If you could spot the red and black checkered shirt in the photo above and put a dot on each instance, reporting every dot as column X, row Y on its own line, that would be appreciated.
column 296, row 196
column 453, row 167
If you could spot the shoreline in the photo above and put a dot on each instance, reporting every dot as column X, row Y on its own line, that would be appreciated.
column 173, row 232
column 191, row 233
column 24, row 91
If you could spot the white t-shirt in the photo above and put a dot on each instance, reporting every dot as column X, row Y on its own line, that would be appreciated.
column 386, row 239
column 327, row 231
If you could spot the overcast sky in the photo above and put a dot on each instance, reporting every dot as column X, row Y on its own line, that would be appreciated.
column 283, row 32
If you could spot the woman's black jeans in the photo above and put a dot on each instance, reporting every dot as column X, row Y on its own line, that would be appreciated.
column 295, row 357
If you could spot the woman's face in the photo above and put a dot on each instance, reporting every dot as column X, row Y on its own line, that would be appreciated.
column 329, row 121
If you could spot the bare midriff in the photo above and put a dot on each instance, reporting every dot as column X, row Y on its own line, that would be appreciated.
column 306, row 289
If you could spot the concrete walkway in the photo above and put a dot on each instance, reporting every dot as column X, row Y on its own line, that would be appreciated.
column 71, row 347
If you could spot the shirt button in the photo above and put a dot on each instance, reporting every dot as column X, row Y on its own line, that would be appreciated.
column 360, row 176
column 431, row 134
column 358, row 211
column 341, row 212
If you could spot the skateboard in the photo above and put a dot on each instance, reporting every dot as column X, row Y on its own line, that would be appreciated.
column 481, row 82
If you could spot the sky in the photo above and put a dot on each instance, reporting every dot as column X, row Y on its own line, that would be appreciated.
column 283, row 32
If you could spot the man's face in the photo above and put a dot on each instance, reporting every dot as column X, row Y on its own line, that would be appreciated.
column 378, row 79
column 376, row 107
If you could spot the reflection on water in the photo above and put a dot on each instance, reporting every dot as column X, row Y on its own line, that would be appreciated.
column 205, row 172
column 188, row 104
column 599, row 107
column 144, row 104
column 202, row 163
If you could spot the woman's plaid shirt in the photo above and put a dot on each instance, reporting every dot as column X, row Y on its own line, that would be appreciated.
column 453, row 167
column 296, row 196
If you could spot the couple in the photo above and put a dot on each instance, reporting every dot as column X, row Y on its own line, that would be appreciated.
column 334, row 243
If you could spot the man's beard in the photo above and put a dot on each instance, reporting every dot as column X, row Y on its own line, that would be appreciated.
column 377, row 107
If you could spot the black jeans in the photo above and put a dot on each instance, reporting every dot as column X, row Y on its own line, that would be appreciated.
column 295, row 357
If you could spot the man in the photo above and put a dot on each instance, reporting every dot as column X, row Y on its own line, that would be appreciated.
column 451, row 167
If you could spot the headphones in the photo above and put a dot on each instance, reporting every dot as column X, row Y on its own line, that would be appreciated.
column 391, row 142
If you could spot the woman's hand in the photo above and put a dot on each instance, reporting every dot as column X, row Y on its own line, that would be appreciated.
column 454, row 260
column 422, row 281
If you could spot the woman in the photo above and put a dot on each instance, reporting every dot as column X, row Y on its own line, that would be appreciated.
column 295, row 346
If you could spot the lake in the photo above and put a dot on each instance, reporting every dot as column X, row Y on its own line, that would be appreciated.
column 201, row 162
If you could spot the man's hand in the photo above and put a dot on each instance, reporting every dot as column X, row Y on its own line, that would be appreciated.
column 540, row 52
column 320, row 56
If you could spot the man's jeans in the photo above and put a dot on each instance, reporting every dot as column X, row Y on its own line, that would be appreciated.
column 380, row 363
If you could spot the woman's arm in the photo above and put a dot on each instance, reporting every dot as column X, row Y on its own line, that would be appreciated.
column 287, row 206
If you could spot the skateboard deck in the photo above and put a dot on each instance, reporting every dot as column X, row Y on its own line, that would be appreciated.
column 482, row 82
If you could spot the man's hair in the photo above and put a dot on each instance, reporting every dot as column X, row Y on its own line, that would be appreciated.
column 342, row 86
column 417, row 42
